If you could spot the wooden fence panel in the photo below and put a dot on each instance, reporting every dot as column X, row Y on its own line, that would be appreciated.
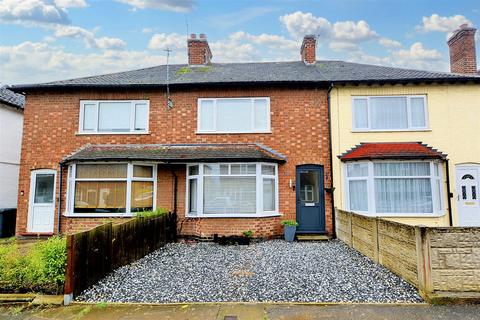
column 93, row 254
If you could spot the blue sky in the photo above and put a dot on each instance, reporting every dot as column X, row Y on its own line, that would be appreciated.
column 44, row 40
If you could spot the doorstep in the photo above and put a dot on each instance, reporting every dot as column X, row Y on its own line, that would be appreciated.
column 448, row 297
column 313, row 237
column 48, row 299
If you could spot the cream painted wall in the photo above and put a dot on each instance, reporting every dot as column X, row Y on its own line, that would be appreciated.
column 11, row 125
column 454, row 129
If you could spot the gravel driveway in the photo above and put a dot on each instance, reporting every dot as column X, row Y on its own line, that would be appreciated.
column 265, row 271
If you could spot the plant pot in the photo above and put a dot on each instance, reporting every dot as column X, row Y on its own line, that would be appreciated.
column 289, row 233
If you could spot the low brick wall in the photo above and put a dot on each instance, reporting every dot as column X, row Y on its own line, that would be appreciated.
column 432, row 259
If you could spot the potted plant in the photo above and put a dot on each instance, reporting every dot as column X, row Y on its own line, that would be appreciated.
column 289, row 229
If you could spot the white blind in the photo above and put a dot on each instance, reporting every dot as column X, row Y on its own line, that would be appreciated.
column 404, row 195
column 358, row 194
column 389, row 112
column 229, row 195
column 114, row 116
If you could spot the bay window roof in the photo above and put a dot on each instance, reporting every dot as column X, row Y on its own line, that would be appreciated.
column 391, row 150
column 176, row 153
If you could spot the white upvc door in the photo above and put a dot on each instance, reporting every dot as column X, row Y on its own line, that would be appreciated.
column 468, row 196
column 42, row 201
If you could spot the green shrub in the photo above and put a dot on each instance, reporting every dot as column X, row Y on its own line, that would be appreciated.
column 151, row 214
column 248, row 233
column 40, row 268
column 289, row 223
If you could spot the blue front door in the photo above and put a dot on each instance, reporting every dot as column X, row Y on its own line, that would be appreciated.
column 310, row 199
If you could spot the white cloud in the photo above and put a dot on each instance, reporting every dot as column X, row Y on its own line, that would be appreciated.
column 389, row 43
column 167, row 5
column 162, row 41
column 32, row 11
column 147, row 30
column 299, row 24
column 269, row 40
column 71, row 3
column 442, row 24
column 353, row 32
column 343, row 46
column 105, row 43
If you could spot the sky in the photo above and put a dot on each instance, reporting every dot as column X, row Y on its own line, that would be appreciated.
column 46, row 40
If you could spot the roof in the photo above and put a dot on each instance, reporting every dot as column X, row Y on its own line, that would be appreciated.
column 391, row 150
column 11, row 98
column 176, row 153
column 254, row 73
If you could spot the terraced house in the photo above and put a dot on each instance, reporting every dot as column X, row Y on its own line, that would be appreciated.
column 231, row 147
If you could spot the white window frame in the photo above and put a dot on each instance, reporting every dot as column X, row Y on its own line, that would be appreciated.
column 252, row 116
column 133, row 104
column 259, row 191
column 370, row 178
column 71, row 179
column 409, row 127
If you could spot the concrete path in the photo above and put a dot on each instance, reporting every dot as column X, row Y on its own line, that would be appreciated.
column 238, row 311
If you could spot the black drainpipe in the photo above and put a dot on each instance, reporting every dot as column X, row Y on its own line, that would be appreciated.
column 59, row 214
column 175, row 189
column 332, row 188
column 449, row 193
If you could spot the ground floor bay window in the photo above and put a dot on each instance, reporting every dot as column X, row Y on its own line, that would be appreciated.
column 394, row 188
column 110, row 189
column 232, row 190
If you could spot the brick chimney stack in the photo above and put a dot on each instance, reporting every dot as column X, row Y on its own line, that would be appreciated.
column 308, row 48
column 462, row 50
column 198, row 50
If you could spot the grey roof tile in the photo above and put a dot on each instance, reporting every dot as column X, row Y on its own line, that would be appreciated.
column 176, row 152
column 14, row 99
column 258, row 72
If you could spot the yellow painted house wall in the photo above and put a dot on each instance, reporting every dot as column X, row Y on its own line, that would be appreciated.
column 454, row 129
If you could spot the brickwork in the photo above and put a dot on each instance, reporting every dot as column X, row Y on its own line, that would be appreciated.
column 462, row 51
column 299, row 121
column 308, row 49
column 198, row 50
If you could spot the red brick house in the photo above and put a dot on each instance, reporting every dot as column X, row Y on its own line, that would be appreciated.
column 232, row 147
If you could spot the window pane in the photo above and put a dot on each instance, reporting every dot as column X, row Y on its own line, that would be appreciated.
column 207, row 114
column 44, row 188
column 100, row 197
column 243, row 169
column 360, row 113
column 114, row 116
column 234, row 115
column 357, row 170
column 230, row 195
column 357, row 191
column 93, row 171
column 192, row 204
column 261, row 110
column 193, row 170
column 215, row 169
column 402, row 169
column 309, row 185
column 405, row 195
column 142, row 196
column 268, row 170
column 268, row 194
column 142, row 171
column 388, row 112
column 418, row 112
column 89, row 117
column 439, row 194
column 141, row 117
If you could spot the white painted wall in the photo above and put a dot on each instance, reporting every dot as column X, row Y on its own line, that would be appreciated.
column 11, row 126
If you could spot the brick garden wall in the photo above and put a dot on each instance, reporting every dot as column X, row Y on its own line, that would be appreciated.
column 299, row 121
column 433, row 259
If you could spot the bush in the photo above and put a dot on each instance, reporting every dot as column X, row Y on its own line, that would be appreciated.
column 40, row 269
column 289, row 223
column 151, row 214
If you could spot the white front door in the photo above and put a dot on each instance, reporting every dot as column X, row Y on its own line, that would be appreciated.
column 468, row 196
column 42, row 201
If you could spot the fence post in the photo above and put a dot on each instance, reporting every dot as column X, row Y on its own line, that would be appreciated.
column 375, row 239
column 69, row 281
column 350, row 229
column 424, row 268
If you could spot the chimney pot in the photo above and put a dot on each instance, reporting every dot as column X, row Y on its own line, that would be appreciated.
column 461, row 45
column 307, row 51
column 203, row 36
column 193, row 36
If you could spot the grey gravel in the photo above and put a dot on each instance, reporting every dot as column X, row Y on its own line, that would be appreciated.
column 262, row 272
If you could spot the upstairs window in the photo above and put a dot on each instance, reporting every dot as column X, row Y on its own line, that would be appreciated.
column 114, row 116
column 389, row 113
column 234, row 115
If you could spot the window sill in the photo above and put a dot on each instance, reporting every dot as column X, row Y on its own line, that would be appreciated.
column 230, row 132
column 261, row 215
column 392, row 130
column 98, row 215
column 110, row 133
